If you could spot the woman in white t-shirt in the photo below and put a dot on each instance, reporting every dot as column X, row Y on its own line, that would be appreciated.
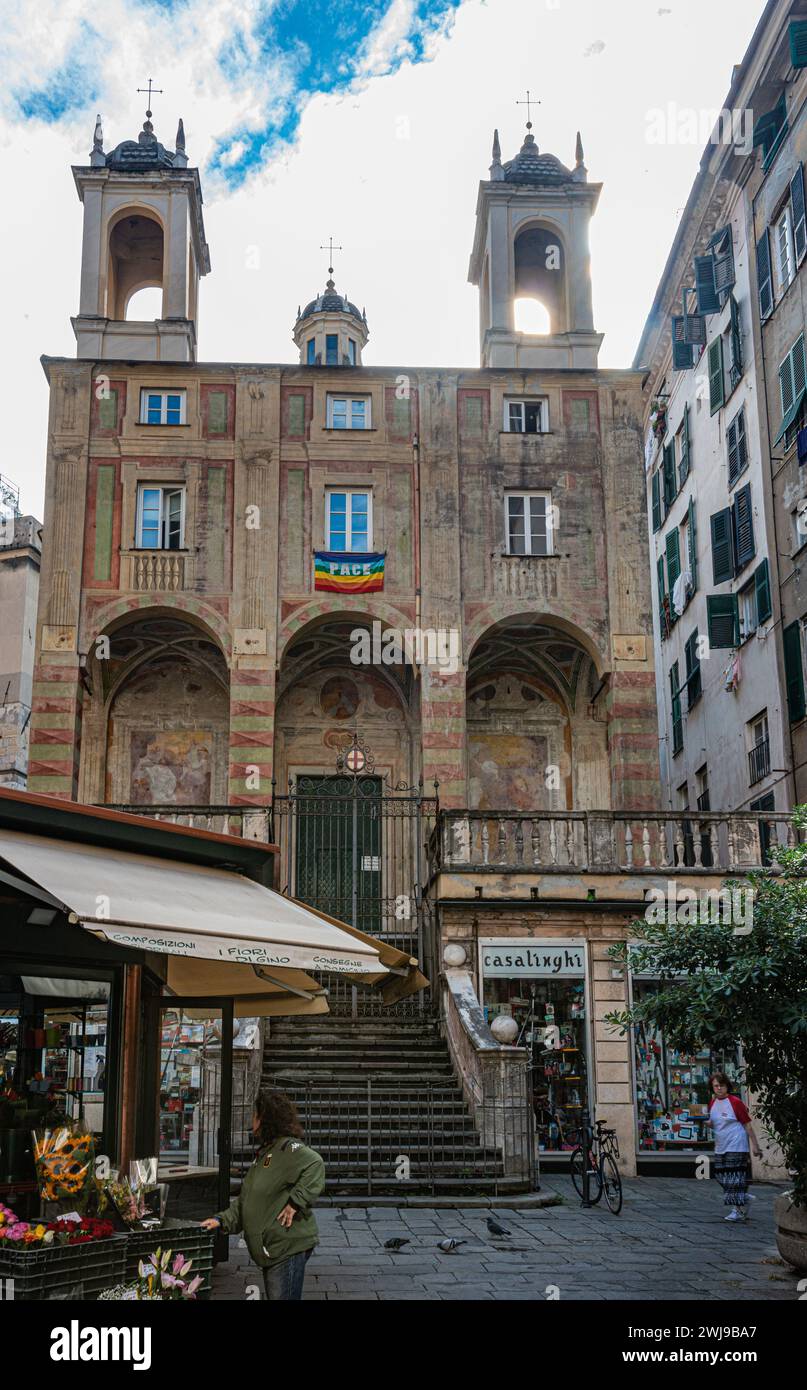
column 734, row 1136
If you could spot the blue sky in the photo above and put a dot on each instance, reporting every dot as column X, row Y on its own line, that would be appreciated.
column 369, row 121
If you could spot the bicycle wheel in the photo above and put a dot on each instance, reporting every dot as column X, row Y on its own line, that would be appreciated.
column 576, row 1167
column 611, row 1184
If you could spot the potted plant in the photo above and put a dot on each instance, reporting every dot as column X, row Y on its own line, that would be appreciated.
column 720, row 986
column 159, row 1279
column 658, row 417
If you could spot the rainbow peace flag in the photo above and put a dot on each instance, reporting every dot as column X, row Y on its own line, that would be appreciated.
column 358, row 573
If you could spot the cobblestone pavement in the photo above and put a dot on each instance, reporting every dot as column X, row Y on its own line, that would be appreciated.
column 670, row 1242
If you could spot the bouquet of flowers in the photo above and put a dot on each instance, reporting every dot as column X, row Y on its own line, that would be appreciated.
column 61, row 1232
column 65, row 1163
column 158, row 1279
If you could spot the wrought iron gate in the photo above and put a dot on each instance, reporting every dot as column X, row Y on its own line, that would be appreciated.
column 356, row 849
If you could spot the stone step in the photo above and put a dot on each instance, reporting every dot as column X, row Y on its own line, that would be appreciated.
column 325, row 1057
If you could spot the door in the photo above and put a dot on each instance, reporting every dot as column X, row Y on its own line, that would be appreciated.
column 338, row 849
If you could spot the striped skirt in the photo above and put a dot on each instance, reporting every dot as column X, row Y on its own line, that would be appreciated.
column 733, row 1172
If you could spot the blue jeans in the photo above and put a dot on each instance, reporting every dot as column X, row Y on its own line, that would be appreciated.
column 285, row 1280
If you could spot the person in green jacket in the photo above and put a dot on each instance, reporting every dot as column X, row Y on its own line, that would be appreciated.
column 273, row 1208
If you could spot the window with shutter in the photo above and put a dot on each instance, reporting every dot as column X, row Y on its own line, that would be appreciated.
column 722, row 552
column 762, row 587
column 764, row 276
column 705, row 287
column 656, row 493
column 668, row 468
column 799, row 214
column 677, row 720
column 692, row 541
column 662, row 598
column 716, row 387
column 737, row 447
column 723, row 253
column 798, row 43
column 673, row 558
column 683, row 460
column 794, row 672
column 735, row 345
column 743, row 527
column 693, row 669
column 683, row 354
column 784, row 264
column 792, row 384
column 723, row 619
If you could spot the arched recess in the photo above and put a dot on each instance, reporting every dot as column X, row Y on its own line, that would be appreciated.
column 135, row 257
column 511, row 614
column 156, row 725
column 320, row 610
column 107, row 620
column 539, row 272
column 536, row 727
column 324, row 697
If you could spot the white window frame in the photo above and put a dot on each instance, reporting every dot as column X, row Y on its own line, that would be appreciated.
column 164, row 489
column 522, row 401
column 758, row 730
column 528, row 538
column 146, row 391
column 349, row 492
column 783, row 228
column 348, row 400
column 747, row 602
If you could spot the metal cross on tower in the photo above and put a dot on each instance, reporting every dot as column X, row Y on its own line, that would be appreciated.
column 331, row 249
column 530, row 102
column 149, row 91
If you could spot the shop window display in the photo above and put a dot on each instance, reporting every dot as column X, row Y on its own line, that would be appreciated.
column 672, row 1088
column 53, row 1054
column 549, row 1011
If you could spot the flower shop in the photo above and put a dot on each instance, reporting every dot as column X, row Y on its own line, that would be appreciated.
column 138, row 961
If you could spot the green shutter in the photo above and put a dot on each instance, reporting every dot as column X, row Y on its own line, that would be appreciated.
column 798, row 43
column 736, row 344
column 108, row 411
column 668, row 467
column 737, row 448
column 799, row 214
column 794, row 672
column 693, row 545
column 673, row 558
column 723, row 252
column 716, row 385
column 705, row 288
column 723, row 618
column 722, row 549
column 693, row 669
column 656, row 493
column 682, row 351
column 217, row 412
column 677, row 721
column 297, row 415
column 792, row 385
column 743, row 524
column 662, row 607
column 762, row 585
column 764, row 276
column 683, row 465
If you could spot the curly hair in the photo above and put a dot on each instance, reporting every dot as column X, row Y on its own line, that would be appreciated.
column 277, row 1116
column 721, row 1079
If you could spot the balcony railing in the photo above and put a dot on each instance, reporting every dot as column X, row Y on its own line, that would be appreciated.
column 247, row 822
column 759, row 761
column 154, row 571
column 605, row 842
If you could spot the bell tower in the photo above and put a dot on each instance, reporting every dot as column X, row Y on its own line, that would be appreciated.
column 531, row 261
column 143, row 228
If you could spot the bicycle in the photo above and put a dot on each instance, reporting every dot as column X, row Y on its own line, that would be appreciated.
column 600, row 1153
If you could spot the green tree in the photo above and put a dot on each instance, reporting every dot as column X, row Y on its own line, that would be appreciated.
column 719, row 987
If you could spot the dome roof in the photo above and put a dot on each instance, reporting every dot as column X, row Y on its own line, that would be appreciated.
column 531, row 166
column 331, row 302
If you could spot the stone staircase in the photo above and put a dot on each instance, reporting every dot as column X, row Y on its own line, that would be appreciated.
column 379, row 1100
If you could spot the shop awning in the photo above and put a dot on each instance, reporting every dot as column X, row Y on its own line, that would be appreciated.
column 401, row 974
column 256, row 993
column 189, row 910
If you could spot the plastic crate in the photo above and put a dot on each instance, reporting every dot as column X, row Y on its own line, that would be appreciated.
column 62, row 1271
column 183, row 1238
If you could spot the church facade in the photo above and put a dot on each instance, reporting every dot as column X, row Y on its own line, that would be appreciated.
column 261, row 580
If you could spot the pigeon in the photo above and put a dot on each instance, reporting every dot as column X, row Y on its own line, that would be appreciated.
column 396, row 1242
column 450, row 1244
column 495, row 1229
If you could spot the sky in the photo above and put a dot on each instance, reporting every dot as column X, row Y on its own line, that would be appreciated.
column 367, row 120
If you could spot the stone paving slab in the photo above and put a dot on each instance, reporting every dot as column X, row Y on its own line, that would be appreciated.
column 671, row 1242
